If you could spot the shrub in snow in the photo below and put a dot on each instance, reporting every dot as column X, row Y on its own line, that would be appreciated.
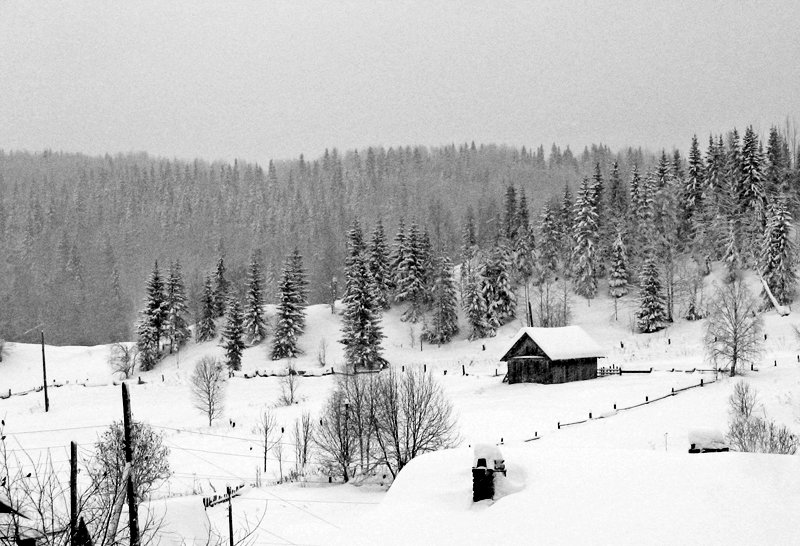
column 150, row 463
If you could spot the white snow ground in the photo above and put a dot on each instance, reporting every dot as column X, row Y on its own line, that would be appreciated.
column 622, row 477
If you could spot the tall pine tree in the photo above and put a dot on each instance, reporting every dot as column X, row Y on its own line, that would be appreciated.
column 361, row 328
column 255, row 323
column 584, row 254
column 177, row 328
column 291, row 309
column 618, row 279
column 233, row 335
column 221, row 286
column 379, row 266
column 651, row 316
column 474, row 305
column 205, row 329
column 444, row 323
column 778, row 257
column 152, row 323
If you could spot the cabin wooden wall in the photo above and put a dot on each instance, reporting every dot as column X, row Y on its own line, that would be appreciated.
column 535, row 370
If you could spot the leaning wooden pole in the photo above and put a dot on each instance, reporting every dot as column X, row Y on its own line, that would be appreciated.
column 133, row 514
column 73, row 493
column 44, row 378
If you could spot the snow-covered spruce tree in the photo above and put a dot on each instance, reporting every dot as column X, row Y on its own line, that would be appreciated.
column 379, row 266
column 361, row 320
column 566, row 224
column 548, row 243
column 474, row 306
column 752, row 196
column 692, row 191
column 523, row 255
column 233, row 335
column 255, row 323
column 444, row 323
column 501, row 302
column 205, row 328
column 291, row 310
column 152, row 323
column 411, row 277
column 510, row 215
column 300, row 281
column 605, row 232
column 584, row 254
column 396, row 257
column 617, row 199
column 221, row 286
column 778, row 256
column 732, row 255
column 618, row 279
column 523, row 214
column 778, row 164
column 426, row 261
column 651, row 316
column 177, row 328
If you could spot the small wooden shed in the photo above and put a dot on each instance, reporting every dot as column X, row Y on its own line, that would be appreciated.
column 552, row 355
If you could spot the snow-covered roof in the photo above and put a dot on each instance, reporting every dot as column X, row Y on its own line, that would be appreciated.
column 560, row 343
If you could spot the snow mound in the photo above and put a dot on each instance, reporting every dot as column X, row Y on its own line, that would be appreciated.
column 593, row 496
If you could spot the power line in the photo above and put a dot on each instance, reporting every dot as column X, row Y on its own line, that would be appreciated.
column 19, row 433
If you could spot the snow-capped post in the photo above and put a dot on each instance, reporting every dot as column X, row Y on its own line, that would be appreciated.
column 463, row 370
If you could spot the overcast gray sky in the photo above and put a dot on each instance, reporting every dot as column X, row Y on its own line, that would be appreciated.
column 270, row 79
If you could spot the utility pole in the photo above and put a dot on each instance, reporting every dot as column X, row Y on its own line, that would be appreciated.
column 133, row 514
column 73, row 493
column 230, row 515
column 44, row 378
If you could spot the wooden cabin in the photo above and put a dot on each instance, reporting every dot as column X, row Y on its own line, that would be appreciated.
column 552, row 355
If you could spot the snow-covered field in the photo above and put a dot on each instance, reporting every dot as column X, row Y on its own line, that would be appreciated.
column 621, row 477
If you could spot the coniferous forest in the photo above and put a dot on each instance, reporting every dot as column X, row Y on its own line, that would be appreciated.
column 80, row 234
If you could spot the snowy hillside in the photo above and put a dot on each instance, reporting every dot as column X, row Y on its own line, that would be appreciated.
column 580, row 481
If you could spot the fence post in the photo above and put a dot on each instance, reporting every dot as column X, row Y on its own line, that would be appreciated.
column 559, row 425
column 646, row 398
column 425, row 368
column 701, row 381
column 590, row 415
column 463, row 370
column 615, row 406
column 445, row 372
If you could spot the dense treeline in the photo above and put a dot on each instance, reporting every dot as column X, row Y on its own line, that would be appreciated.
column 80, row 234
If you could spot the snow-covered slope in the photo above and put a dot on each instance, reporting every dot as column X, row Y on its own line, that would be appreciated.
column 630, row 447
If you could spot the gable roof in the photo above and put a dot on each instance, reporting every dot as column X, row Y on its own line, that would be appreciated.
column 562, row 343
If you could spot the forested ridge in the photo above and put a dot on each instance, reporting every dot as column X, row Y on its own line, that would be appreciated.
column 80, row 234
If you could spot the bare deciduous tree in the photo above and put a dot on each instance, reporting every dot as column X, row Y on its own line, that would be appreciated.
column 743, row 400
column 123, row 358
column 277, row 450
column 289, row 387
column 358, row 391
column 208, row 387
column 333, row 437
column 265, row 427
column 303, row 433
column 412, row 417
column 733, row 330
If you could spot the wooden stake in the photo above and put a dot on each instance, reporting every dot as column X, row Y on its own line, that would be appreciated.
column 44, row 378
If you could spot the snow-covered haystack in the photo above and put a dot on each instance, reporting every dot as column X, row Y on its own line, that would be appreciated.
column 594, row 496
